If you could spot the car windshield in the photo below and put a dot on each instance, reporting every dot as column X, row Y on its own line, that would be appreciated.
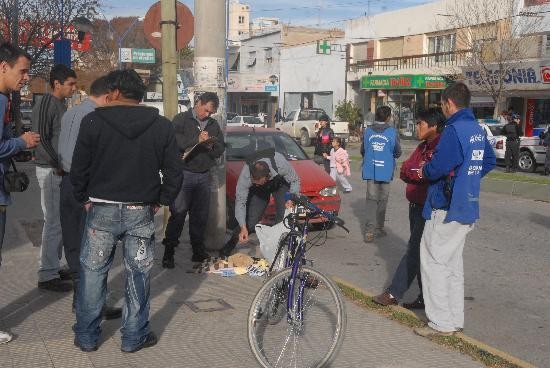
column 242, row 145
column 251, row 120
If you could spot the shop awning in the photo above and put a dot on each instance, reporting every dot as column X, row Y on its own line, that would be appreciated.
column 482, row 101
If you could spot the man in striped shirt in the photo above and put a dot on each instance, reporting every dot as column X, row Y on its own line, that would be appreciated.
column 46, row 120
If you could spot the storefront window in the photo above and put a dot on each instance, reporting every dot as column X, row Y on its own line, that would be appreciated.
column 403, row 105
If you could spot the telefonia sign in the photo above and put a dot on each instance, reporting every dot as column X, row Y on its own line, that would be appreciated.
column 418, row 81
column 528, row 76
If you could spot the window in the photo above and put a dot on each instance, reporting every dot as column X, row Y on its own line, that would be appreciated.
column 241, row 19
column 441, row 44
column 241, row 146
column 268, row 55
column 251, row 59
column 546, row 45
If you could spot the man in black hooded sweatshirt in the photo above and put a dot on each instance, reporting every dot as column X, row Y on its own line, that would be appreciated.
column 120, row 150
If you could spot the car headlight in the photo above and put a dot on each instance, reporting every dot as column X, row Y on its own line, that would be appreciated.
column 328, row 192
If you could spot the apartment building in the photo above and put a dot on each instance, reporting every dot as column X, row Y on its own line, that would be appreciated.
column 405, row 58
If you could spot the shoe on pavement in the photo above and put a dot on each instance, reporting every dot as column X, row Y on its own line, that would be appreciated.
column 85, row 348
column 168, row 261
column 65, row 273
column 201, row 257
column 5, row 337
column 430, row 332
column 385, row 299
column 417, row 304
column 151, row 340
column 111, row 312
column 380, row 233
column 55, row 285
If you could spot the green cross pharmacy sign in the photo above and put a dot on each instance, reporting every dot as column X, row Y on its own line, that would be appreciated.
column 323, row 47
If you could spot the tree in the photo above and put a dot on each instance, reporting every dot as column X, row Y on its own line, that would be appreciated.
column 497, row 39
column 350, row 112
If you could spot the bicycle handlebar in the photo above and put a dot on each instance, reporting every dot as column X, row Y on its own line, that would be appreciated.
column 302, row 200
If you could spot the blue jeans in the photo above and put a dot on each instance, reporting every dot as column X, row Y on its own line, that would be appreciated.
column 105, row 225
column 409, row 267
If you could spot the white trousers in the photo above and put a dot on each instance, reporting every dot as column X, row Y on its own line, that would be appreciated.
column 340, row 179
column 442, row 271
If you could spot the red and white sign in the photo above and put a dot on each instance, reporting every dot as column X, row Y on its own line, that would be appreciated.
column 530, row 118
column 545, row 74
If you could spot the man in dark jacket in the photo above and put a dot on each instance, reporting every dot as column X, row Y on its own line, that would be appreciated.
column 323, row 141
column 201, row 143
column 429, row 125
column 462, row 157
column 513, row 132
column 120, row 150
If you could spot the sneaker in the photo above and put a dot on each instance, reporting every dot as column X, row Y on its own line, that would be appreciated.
column 151, row 340
column 168, row 261
column 430, row 332
column 85, row 349
column 369, row 237
column 65, row 273
column 385, row 299
column 55, row 285
column 380, row 233
column 201, row 257
column 417, row 304
column 5, row 337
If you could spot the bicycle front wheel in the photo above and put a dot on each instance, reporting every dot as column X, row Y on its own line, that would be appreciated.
column 308, row 331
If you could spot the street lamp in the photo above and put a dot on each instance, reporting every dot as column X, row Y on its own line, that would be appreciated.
column 121, row 38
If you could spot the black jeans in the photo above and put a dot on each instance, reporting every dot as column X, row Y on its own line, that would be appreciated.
column 511, row 155
column 409, row 267
column 73, row 219
column 255, row 207
column 193, row 198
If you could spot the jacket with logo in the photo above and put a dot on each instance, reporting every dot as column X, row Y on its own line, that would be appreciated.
column 462, row 157
column 380, row 148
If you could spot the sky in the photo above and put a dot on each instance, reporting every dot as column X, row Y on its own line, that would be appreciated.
column 322, row 13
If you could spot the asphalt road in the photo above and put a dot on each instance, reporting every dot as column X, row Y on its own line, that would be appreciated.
column 506, row 260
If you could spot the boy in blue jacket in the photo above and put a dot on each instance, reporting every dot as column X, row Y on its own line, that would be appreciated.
column 462, row 157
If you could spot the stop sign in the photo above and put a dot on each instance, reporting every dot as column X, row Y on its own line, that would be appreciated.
column 184, row 20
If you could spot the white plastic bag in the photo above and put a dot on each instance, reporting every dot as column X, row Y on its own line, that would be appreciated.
column 269, row 237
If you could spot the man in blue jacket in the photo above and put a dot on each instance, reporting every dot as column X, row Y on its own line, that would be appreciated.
column 461, row 159
column 380, row 148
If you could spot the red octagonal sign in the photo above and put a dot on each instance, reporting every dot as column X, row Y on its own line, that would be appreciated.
column 185, row 25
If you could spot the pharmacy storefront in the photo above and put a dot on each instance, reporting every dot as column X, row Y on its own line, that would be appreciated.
column 405, row 94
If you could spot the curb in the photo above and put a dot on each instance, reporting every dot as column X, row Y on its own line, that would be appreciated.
column 480, row 346
column 519, row 189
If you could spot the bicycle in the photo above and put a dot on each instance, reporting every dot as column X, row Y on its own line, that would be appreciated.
column 297, row 318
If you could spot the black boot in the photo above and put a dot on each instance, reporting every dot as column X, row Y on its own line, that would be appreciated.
column 168, row 258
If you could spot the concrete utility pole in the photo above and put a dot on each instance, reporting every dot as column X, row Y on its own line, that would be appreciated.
column 209, row 70
column 169, row 65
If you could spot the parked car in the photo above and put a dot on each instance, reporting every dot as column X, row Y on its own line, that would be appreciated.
column 531, row 151
column 250, row 121
column 316, row 184
column 303, row 124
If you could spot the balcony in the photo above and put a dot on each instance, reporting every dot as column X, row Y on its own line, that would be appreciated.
column 436, row 60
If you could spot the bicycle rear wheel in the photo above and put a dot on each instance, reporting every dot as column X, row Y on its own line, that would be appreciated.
column 308, row 334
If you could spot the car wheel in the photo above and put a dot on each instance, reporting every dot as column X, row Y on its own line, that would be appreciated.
column 526, row 162
column 305, row 141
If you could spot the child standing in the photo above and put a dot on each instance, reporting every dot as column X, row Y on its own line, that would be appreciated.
column 339, row 164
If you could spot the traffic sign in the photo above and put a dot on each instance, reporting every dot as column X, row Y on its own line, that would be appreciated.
column 141, row 56
column 185, row 26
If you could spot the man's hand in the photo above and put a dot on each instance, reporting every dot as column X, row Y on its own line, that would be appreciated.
column 156, row 208
column 31, row 139
column 243, row 235
column 203, row 136
column 289, row 204
column 325, row 155
column 87, row 206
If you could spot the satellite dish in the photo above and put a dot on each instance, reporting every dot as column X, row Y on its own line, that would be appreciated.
column 185, row 25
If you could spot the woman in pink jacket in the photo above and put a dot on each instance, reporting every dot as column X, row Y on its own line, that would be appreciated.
column 339, row 164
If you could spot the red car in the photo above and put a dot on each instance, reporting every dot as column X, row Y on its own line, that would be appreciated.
column 315, row 183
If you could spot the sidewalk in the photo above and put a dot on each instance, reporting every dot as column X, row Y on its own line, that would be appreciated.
column 200, row 320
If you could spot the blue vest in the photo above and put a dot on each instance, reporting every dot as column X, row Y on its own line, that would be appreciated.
column 379, row 161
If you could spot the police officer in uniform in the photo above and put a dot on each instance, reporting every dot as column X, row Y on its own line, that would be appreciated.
column 513, row 132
